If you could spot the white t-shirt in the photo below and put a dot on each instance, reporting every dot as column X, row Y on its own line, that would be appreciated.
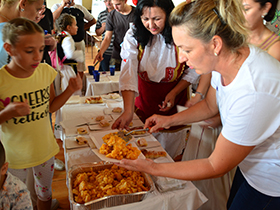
column 87, row 15
column 250, row 114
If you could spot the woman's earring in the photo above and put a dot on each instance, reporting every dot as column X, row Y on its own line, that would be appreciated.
column 264, row 15
column 215, row 54
column 21, row 10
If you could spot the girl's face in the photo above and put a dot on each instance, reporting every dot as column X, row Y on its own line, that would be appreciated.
column 193, row 52
column 31, row 9
column 253, row 13
column 153, row 18
column 27, row 54
column 73, row 29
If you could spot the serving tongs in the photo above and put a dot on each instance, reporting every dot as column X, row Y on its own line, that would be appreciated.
column 127, row 136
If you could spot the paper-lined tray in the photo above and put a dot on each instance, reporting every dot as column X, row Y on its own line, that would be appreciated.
column 71, row 143
column 98, row 141
column 73, row 131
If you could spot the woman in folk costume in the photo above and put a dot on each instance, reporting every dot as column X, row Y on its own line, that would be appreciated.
column 152, row 79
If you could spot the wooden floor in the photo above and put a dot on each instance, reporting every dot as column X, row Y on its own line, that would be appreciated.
column 59, row 189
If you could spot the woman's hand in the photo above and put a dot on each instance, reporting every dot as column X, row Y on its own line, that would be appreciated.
column 123, row 121
column 157, row 122
column 144, row 165
column 168, row 102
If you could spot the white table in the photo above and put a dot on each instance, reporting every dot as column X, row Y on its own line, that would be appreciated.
column 106, row 84
column 189, row 198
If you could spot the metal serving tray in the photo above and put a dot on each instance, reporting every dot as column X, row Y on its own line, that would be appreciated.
column 107, row 201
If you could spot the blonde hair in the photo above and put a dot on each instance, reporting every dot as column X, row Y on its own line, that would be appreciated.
column 17, row 27
column 12, row 2
column 206, row 18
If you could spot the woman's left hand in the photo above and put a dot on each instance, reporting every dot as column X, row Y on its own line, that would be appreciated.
column 168, row 103
column 143, row 165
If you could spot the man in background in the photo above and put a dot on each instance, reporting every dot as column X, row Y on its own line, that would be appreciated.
column 118, row 22
column 100, row 29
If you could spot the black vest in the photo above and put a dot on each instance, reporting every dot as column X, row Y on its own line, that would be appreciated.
column 80, row 22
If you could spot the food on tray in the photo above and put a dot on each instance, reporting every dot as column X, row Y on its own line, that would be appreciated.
column 130, row 124
column 104, row 123
column 94, row 100
column 137, row 132
column 113, row 95
column 117, row 110
column 88, row 186
column 82, row 131
column 81, row 140
column 99, row 118
column 141, row 142
column 115, row 147
column 153, row 154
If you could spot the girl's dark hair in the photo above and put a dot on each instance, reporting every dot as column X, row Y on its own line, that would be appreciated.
column 141, row 34
column 271, row 13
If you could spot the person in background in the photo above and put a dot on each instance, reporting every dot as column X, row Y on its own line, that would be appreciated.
column 255, row 12
column 81, row 14
column 245, row 89
column 13, row 192
column 68, row 27
column 10, row 9
column 100, row 30
column 27, row 96
column 48, row 26
column 152, row 79
column 118, row 22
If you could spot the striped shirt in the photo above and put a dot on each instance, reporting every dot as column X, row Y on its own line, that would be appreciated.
column 269, row 41
column 102, row 19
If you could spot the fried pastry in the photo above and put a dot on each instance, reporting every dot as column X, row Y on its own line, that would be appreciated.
column 82, row 131
column 153, row 154
column 117, row 110
column 142, row 142
column 99, row 118
column 104, row 123
column 81, row 140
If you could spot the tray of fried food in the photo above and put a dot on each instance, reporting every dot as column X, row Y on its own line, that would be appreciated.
column 113, row 148
column 100, row 185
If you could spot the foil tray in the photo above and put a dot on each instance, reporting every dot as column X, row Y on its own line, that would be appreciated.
column 108, row 201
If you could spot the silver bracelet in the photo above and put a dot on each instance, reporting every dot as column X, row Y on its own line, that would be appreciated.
column 202, row 96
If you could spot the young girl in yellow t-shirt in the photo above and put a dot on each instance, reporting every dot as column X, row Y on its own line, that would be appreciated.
column 26, row 98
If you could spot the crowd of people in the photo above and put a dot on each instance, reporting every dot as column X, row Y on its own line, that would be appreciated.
column 220, row 50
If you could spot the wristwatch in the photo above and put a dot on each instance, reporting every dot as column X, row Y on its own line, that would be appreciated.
column 202, row 96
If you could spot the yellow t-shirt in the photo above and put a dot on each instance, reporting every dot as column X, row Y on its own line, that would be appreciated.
column 28, row 140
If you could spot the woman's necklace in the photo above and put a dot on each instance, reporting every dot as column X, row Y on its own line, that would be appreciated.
column 4, row 17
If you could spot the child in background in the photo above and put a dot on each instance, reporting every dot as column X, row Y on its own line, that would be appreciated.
column 68, row 26
column 13, row 192
column 27, row 96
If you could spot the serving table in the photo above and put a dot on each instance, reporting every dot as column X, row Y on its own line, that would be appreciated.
column 188, row 197
column 106, row 84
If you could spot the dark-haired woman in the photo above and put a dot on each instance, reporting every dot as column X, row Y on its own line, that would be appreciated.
column 256, row 11
column 152, row 73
